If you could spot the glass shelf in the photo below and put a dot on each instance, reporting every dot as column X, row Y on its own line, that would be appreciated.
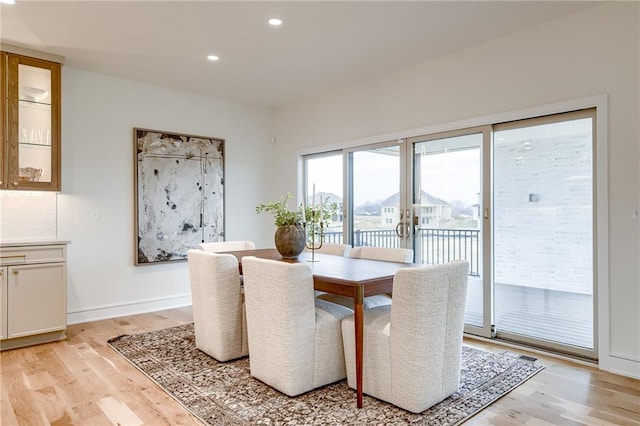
column 43, row 145
column 36, row 104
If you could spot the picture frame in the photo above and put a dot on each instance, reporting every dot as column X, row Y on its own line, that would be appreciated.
column 179, row 194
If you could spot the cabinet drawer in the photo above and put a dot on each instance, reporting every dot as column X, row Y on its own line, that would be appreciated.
column 32, row 254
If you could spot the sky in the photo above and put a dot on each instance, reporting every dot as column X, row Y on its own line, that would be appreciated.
column 451, row 176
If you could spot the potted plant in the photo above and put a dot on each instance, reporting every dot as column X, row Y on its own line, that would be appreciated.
column 290, row 237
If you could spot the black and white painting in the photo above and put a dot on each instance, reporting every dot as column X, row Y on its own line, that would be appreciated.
column 179, row 194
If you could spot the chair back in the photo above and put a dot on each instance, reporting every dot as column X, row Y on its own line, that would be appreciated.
column 217, row 246
column 281, row 319
column 218, row 304
column 334, row 249
column 427, row 321
column 383, row 253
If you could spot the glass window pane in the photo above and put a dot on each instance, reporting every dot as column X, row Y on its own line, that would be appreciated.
column 324, row 173
column 376, row 197
column 447, row 203
column 34, row 124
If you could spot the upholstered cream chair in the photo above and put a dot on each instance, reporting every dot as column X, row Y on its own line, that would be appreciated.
column 294, row 340
column 334, row 249
column 217, row 246
column 383, row 253
column 412, row 348
column 218, row 305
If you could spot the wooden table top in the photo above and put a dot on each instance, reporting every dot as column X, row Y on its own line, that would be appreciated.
column 375, row 275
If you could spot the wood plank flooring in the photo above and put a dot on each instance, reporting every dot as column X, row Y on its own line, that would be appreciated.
column 81, row 381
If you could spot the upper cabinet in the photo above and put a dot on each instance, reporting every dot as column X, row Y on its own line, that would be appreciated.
column 30, row 131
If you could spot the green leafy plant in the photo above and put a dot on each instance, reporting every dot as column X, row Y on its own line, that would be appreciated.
column 284, row 217
column 281, row 213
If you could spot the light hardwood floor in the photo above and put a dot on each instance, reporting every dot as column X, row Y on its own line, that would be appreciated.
column 82, row 381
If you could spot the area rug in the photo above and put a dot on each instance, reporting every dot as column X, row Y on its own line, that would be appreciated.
column 226, row 394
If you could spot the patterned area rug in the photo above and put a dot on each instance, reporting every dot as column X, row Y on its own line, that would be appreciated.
column 226, row 394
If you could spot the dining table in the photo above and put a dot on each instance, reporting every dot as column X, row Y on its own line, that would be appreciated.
column 346, row 276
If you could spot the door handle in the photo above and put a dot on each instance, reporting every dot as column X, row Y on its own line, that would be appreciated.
column 399, row 228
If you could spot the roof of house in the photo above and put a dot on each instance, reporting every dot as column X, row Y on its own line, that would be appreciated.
column 426, row 199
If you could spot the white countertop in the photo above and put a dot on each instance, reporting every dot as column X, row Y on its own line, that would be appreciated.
column 33, row 242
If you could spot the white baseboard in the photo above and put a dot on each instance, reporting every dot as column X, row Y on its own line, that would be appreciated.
column 133, row 308
column 624, row 366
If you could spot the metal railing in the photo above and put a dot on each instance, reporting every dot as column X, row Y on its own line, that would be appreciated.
column 440, row 245
column 434, row 245
column 367, row 237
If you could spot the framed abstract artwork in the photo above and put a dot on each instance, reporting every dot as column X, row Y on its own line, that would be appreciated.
column 179, row 194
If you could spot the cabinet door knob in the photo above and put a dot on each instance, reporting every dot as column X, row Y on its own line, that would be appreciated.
column 15, row 272
column 15, row 183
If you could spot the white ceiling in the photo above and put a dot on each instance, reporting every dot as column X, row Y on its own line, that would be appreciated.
column 321, row 46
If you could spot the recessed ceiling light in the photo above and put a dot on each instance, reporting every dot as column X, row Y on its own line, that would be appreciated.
column 8, row 1
column 276, row 22
column 213, row 57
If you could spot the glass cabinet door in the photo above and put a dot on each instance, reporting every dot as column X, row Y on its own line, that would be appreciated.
column 33, row 124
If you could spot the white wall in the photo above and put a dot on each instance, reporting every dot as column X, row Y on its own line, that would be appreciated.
column 95, row 207
column 26, row 215
column 590, row 53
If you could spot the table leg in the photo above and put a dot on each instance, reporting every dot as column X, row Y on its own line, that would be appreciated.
column 358, row 323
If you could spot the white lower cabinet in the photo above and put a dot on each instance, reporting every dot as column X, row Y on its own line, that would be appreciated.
column 33, row 301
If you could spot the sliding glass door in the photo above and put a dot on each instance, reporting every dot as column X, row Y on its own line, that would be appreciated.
column 516, row 200
column 543, row 224
column 448, row 212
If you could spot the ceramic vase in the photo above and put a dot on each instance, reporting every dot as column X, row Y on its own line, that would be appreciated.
column 290, row 241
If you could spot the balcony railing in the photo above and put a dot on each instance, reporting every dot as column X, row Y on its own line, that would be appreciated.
column 369, row 237
column 434, row 245
column 440, row 245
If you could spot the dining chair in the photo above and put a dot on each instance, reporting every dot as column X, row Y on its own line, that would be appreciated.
column 217, row 246
column 383, row 253
column 295, row 342
column 412, row 348
column 218, row 305
column 334, row 249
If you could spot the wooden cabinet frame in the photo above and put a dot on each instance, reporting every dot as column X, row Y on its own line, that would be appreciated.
column 3, row 114
column 9, row 159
